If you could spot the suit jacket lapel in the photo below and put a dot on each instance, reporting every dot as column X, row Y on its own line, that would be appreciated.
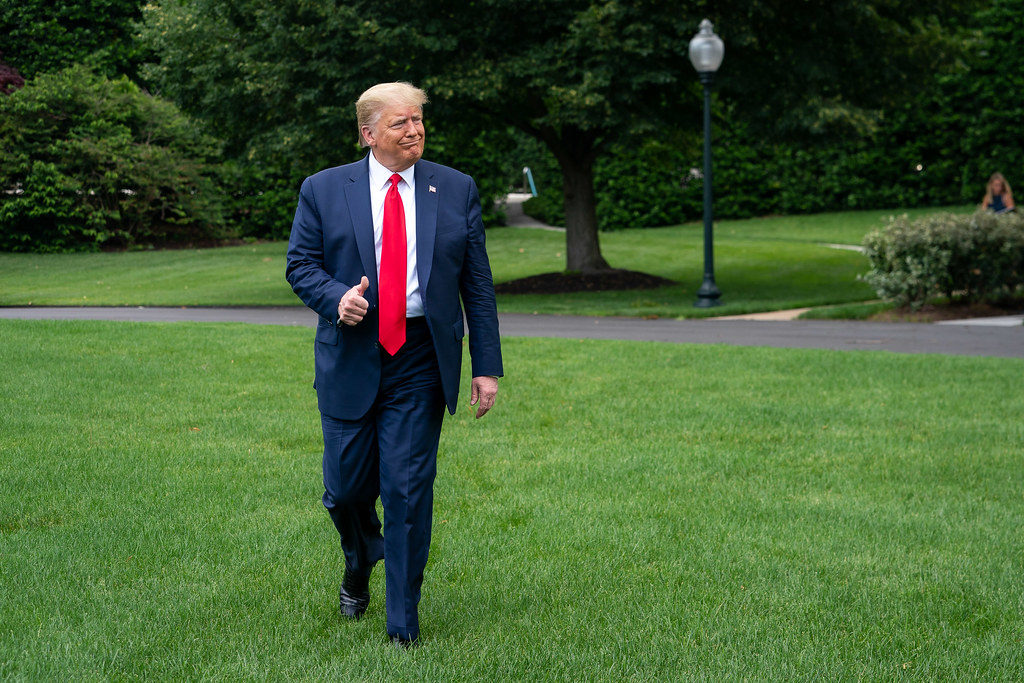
column 426, row 225
column 357, row 194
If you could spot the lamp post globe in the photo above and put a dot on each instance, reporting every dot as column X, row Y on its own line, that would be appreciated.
column 706, row 49
column 706, row 53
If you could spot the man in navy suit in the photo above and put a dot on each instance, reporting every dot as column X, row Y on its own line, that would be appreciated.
column 383, row 250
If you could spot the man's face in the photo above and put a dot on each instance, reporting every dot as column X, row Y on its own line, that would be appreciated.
column 398, row 136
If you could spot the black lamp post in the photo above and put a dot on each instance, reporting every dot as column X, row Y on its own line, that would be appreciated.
column 706, row 52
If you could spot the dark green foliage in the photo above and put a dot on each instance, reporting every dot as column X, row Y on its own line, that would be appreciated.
column 652, row 183
column 828, row 108
column 487, row 155
column 827, row 69
column 547, row 207
column 986, row 101
column 973, row 258
column 649, row 184
column 48, row 35
column 260, row 199
column 87, row 162
column 575, row 74
column 262, row 186
column 277, row 82
column 265, row 79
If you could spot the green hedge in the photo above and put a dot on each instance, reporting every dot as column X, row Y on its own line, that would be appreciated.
column 88, row 162
column 653, row 183
column 971, row 258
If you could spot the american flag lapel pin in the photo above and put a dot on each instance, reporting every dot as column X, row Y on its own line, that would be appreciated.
column 431, row 188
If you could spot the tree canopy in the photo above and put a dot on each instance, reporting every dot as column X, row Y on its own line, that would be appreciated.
column 575, row 74
column 48, row 35
column 829, row 68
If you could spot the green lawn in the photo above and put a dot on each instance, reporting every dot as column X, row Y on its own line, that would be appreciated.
column 246, row 275
column 628, row 511
column 761, row 264
column 840, row 227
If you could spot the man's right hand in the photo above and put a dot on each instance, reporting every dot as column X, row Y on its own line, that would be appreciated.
column 352, row 306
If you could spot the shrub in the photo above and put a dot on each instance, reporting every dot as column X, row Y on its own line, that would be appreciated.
column 972, row 258
column 260, row 199
column 650, row 183
column 646, row 185
column 547, row 207
column 87, row 162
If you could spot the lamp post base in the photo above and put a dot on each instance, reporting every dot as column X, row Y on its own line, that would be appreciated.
column 708, row 295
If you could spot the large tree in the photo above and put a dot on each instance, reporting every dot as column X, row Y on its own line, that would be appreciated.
column 575, row 74
column 277, row 79
column 579, row 75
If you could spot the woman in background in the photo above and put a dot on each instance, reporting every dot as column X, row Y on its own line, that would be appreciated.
column 998, row 195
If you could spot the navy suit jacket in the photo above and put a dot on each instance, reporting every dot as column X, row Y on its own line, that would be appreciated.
column 332, row 247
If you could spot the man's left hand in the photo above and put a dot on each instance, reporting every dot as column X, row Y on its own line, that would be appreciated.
column 484, row 391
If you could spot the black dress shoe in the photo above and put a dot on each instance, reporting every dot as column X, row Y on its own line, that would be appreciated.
column 354, row 595
column 403, row 643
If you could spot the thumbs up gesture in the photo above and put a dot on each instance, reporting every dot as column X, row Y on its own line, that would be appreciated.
column 352, row 306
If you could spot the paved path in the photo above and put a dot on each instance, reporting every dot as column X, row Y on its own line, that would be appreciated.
column 785, row 314
column 516, row 218
column 956, row 339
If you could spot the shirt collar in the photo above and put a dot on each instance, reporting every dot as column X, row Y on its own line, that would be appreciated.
column 380, row 175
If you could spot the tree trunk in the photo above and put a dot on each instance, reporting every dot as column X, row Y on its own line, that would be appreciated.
column 582, row 247
column 575, row 151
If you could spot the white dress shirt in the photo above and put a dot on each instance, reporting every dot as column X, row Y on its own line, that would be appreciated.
column 380, row 183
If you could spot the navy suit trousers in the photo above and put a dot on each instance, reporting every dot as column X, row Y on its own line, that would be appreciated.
column 391, row 453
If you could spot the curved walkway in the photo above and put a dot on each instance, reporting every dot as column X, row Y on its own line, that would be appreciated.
column 956, row 339
column 515, row 217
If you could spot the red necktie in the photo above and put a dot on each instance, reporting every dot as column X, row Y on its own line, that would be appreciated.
column 393, row 275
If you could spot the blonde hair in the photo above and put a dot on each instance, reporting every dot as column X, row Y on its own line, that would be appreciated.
column 374, row 99
column 1007, row 192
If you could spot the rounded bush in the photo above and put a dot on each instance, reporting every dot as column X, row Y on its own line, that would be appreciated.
column 88, row 162
column 967, row 257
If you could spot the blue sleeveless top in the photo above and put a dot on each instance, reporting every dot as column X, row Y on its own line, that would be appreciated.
column 997, row 203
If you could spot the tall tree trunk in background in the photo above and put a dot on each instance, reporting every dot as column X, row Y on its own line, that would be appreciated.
column 576, row 152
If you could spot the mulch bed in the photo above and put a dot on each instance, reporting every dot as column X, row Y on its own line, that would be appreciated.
column 562, row 283
column 932, row 313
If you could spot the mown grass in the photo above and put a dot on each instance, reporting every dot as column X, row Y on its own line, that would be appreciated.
column 628, row 511
column 761, row 264
column 753, row 275
column 251, row 275
column 857, row 311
